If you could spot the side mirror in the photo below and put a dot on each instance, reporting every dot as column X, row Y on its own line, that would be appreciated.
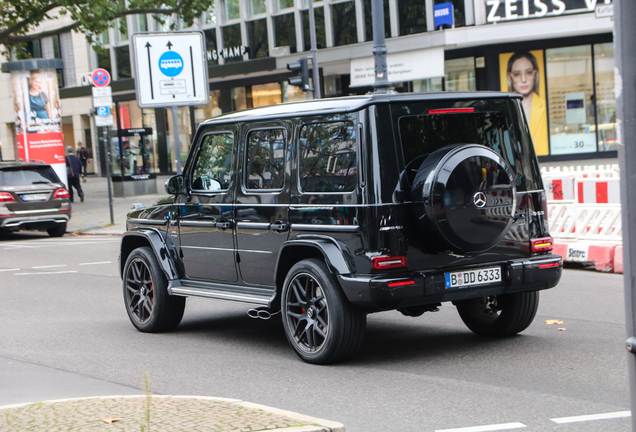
column 174, row 185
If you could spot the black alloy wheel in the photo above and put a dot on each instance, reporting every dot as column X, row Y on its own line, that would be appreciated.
column 148, row 304
column 320, row 324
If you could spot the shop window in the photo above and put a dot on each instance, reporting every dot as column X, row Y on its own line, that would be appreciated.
column 239, row 98
column 292, row 93
column 122, row 55
column 285, row 31
column 570, row 88
column 257, row 38
column 428, row 85
column 103, row 59
column 265, row 159
column 284, row 4
column 458, row 11
column 368, row 20
column 460, row 74
column 206, row 112
column 604, row 102
column 231, row 39
column 212, row 54
column 319, row 18
column 411, row 16
column 184, row 129
column 344, row 23
column 257, row 7
column 232, row 9
column 266, row 94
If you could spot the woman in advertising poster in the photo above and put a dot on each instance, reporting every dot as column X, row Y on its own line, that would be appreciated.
column 522, row 75
column 38, row 100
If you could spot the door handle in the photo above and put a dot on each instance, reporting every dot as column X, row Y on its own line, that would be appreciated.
column 279, row 226
column 224, row 225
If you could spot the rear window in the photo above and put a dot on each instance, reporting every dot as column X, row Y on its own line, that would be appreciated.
column 20, row 176
column 422, row 128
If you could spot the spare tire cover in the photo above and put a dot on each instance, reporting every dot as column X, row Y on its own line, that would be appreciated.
column 466, row 195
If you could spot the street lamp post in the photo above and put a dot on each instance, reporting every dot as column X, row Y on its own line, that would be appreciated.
column 381, row 84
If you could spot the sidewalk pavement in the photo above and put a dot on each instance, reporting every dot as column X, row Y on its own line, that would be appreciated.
column 91, row 407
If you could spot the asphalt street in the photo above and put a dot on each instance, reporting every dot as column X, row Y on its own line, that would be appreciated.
column 65, row 333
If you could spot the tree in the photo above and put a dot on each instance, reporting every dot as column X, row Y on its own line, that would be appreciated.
column 19, row 19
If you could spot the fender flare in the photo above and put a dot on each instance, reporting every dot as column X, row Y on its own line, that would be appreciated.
column 161, row 245
column 337, row 256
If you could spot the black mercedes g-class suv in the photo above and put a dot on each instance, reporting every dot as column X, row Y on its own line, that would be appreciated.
column 330, row 209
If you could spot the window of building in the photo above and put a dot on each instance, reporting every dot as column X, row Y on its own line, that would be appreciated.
column 428, row 85
column 257, row 38
column 122, row 55
column 232, row 9
column 257, row 7
column 266, row 94
column 122, row 29
column 57, row 53
column 458, row 10
column 292, row 93
column 412, row 16
column 33, row 48
column 103, row 60
column 344, row 23
column 604, row 102
column 570, row 90
column 319, row 18
column 209, row 16
column 285, row 31
column 213, row 168
column 231, row 39
column 284, row 4
column 265, row 159
column 104, row 38
column 328, row 160
column 212, row 54
column 368, row 20
column 460, row 74
column 142, row 22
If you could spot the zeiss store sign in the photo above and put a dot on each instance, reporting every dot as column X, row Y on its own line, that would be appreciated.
column 509, row 10
column 444, row 15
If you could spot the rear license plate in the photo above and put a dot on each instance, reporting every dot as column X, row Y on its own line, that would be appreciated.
column 473, row 277
column 34, row 197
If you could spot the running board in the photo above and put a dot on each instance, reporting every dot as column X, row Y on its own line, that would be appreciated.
column 222, row 292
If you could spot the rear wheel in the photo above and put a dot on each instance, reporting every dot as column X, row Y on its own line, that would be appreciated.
column 503, row 315
column 57, row 231
column 320, row 324
column 150, row 308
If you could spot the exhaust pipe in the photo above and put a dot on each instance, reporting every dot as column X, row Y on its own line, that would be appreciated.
column 261, row 312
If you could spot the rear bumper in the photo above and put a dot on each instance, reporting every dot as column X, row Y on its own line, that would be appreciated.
column 29, row 221
column 373, row 293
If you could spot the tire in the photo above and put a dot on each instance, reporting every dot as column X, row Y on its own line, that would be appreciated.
column 57, row 231
column 149, row 306
column 320, row 324
column 503, row 315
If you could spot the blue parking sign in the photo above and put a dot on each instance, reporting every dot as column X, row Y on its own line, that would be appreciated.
column 444, row 15
column 103, row 111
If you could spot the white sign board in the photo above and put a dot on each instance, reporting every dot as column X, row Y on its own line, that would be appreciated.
column 402, row 66
column 170, row 69
column 104, row 121
column 102, row 97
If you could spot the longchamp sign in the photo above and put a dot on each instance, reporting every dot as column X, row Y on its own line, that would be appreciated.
column 510, row 10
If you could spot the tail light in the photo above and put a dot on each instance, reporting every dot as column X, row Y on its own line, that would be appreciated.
column 61, row 193
column 6, row 197
column 384, row 262
column 542, row 245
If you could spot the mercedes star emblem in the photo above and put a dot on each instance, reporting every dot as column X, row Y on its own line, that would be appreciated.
column 480, row 199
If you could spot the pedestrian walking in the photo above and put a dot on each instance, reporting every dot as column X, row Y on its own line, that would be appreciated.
column 83, row 155
column 74, row 171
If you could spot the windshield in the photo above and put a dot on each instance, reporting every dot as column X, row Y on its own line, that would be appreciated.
column 20, row 176
column 424, row 127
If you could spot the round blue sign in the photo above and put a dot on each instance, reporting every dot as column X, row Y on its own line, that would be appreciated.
column 170, row 63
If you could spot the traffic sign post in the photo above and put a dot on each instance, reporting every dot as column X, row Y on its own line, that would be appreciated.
column 177, row 70
column 102, row 101
column 100, row 78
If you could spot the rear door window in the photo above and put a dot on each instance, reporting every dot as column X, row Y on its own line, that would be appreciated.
column 21, row 176
column 265, row 164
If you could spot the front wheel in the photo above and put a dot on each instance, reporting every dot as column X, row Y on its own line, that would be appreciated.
column 503, row 315
column 320, row 324
column 150, row 308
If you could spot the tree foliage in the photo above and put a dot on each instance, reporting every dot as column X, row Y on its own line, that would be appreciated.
column 19, row 19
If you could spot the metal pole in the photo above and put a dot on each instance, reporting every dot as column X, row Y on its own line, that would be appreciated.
column 381, row 84
column 314, row 50
column 110, row 190
column 625, row 34
column 175, row 133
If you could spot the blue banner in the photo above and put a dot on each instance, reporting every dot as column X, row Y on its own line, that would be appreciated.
column 443, row 14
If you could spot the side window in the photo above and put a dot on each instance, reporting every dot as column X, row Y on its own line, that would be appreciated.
column 328, row 159
column 265, row 159
column 213, row 167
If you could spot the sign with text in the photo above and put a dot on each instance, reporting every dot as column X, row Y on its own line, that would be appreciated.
column 102, row 97
column 509, row 10
column 403, row 66
column 443, row 14
column 171, row 69
column 573, row 143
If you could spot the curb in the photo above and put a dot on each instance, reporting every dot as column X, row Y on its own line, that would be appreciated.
column 606, row 257
column 311, row 424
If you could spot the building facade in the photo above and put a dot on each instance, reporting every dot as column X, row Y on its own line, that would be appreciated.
column 558, row 54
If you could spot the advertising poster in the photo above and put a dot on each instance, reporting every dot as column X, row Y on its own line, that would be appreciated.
column 523, row 72
column 38, row 119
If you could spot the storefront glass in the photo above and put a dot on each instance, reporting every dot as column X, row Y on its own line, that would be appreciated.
column 570, row 89
column 203, row 113
column 133, row 155
column 257, row 38
column 319, row 18
column 185, row 135
column 285, row 31
column 460, row 74
column 292, row 93
column 344, row 23
column 428, row 85
column 239, row 98
column 605, row 97
column 266, row 94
